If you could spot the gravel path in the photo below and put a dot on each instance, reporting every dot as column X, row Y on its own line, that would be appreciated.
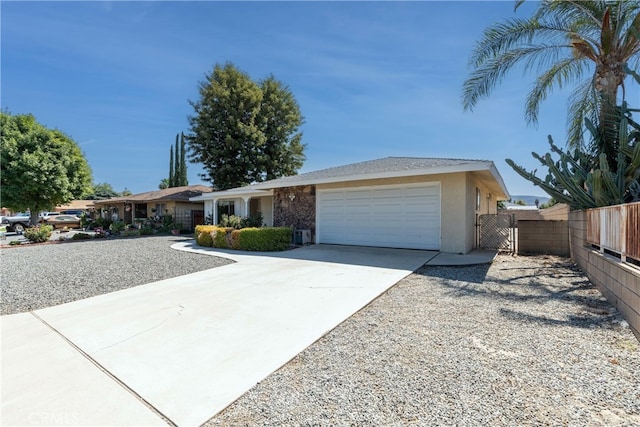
column 38, row 276
column 527, row 341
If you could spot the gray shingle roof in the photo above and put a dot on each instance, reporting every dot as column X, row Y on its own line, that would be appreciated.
column 173, row 193
column 372, row 168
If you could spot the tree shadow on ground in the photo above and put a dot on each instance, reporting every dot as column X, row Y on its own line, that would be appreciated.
column 554, row 280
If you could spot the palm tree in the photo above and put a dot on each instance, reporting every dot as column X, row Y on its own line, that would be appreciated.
column 573, row 42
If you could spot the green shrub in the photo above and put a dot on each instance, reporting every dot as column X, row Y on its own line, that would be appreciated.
column 220, row 239
column 232, row 221
column 104, row 223
column 264, row 239
column 203, row 235
column 252, row 221
column 81, row 236
column 146, row 230
column 130, row 233
column 15, row 243
column 246, row 239
column 117, row 227
column 38, row 234
column 234, row 239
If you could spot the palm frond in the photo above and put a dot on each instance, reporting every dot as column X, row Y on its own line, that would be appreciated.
column 560, row 74
column 486, row 77
column 582, row 104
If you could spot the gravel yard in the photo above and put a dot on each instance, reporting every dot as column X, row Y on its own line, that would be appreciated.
column 527, row 341
column 524, row 341
column 38, row 276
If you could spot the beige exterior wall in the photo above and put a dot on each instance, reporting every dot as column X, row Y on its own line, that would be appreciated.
column 266, row 208
column 617, row 281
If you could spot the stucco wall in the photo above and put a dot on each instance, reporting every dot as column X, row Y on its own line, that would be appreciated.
column 617, row 281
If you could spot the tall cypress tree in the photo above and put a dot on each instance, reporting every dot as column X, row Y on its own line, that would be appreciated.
column 171, row 171
column 178, row 163
column 183, row 161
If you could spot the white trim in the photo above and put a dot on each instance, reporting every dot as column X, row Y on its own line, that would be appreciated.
column 233, row 193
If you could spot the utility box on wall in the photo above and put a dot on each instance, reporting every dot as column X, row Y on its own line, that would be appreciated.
column 302, row 237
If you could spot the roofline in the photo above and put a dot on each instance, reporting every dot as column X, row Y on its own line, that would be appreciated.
column 496, row 175
column 240, row 191
column 469, row 167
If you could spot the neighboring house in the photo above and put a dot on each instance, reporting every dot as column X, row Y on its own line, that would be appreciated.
column 76, row 206
column 400, row 202
column 173, row 201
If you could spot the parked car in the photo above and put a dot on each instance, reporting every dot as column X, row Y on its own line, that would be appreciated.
column 17, row 223
column 61, row 221
column 46, row 215
column 76, row 212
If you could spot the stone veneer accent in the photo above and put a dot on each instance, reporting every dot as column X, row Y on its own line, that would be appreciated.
column 299, row 213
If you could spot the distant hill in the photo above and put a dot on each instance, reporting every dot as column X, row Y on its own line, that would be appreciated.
column 530, row 200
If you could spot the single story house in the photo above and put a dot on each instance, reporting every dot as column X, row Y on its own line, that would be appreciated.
column 398, row 202
column 174, row 201
column 76, row 206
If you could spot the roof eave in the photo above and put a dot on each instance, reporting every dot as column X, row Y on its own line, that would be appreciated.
column 469, row 167
column 234, row 192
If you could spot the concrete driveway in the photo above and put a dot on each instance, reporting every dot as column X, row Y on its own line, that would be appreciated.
column 180, row 350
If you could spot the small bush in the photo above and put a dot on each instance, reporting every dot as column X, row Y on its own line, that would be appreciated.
column 117, row 227
column 203, row 235
column 234, row 239
column 252, row 221
column 81, row 236
column 246, row 239
column 220, row 239
column 232, row 221
column 104, row 223
column 146, row 230
column 38, row 234
column 15, row 243
column 130, row 233
column 264, row 239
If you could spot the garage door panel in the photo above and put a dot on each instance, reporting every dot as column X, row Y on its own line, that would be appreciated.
column 394, row 216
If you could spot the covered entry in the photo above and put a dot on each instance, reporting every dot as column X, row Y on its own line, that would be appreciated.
column 395, row 216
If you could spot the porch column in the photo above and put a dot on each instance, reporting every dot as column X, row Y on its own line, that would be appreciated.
column 246, row 199
column 215, row 211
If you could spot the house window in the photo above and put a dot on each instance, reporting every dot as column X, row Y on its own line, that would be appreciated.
column 160, row 209
column 226, row 207
column 478, row 200
column 140, row 210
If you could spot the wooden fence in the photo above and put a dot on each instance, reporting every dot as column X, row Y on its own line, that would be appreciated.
column 616, row 230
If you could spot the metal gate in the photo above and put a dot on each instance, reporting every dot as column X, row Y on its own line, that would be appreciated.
column 496, row 231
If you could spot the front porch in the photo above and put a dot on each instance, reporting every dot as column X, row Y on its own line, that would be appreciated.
column 242, row 202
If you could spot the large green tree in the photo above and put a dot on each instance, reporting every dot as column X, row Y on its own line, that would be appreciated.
column 569, row 42
column 41, row 168
column 243, row 131
column 279, row 119
column 101, row 191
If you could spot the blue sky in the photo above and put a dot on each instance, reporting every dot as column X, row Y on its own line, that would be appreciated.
column 372, row 79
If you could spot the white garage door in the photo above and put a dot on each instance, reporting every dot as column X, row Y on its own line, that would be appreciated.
column 398, row 216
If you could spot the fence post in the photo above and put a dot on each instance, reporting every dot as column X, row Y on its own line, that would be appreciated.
column 623, row 232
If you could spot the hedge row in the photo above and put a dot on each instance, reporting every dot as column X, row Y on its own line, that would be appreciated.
column 246, row 239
